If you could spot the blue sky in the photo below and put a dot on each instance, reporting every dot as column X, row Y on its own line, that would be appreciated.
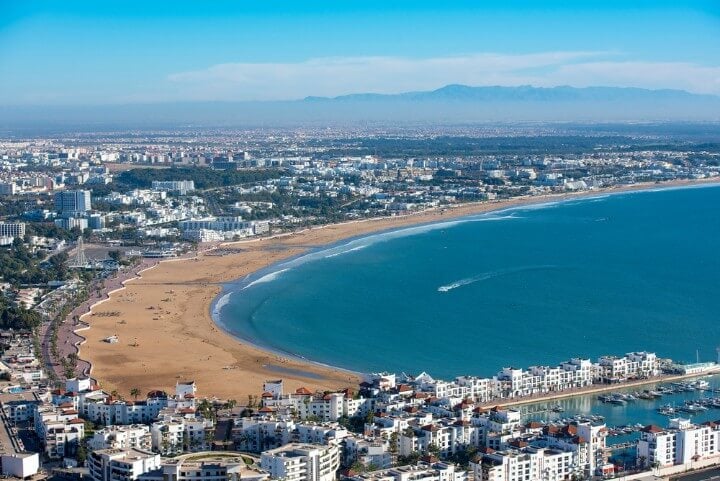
column 90, row 52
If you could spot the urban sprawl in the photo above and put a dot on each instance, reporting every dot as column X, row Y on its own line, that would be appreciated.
column 78, row 210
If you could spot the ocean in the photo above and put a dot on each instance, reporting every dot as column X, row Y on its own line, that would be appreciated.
column 519, row 287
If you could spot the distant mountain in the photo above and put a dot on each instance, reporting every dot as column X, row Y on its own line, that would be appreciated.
column 452, row 104
column 525, row 93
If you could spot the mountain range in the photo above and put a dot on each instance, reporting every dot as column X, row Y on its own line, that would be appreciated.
column 452, row 104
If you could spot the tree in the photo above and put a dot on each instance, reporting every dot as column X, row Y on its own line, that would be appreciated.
column 394, row 442
column 135, row 392
column 81, row 454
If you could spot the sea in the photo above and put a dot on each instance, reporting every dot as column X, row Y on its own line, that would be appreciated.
column 523, row 286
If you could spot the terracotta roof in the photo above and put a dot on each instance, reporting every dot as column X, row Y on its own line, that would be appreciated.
column 303, row 391
column 267, row 394
column 652, row 429
column 76, row 421
column 266, row 410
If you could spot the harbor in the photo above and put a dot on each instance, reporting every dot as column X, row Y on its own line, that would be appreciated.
column 625, row 411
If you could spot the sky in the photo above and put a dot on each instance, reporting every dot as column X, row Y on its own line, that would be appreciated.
column 111, row 52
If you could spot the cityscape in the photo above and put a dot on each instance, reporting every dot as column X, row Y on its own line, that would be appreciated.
column 261, row 254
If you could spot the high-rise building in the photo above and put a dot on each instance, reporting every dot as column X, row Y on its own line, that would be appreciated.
column 73, row 201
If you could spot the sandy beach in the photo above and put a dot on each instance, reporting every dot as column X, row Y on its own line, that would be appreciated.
column 165, row 331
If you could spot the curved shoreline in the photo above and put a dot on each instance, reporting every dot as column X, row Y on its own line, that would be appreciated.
column 183, row 340
column 237, row 285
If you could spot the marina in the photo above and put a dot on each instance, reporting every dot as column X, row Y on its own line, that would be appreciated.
column 627, row 411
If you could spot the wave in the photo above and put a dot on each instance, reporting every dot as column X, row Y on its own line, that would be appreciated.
column 335, row 254
column 266, row 278
column 489, row 275
column 220, row 303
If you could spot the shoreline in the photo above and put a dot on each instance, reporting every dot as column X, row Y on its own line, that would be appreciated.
column 182, row 339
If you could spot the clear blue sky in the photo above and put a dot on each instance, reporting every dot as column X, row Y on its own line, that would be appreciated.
column 95, row 52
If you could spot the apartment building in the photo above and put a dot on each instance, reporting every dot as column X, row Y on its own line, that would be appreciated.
column 681, row 443
column 59, row 429
column 302, row 462
column 418, row 472
column 525, row 464
column 121, row 464
column 121, row 437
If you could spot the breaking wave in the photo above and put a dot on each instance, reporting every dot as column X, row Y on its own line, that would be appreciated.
column 266, row 278
column 335, row 254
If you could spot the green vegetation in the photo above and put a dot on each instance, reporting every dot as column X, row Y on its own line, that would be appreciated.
column 19, row 266
column 204, row 178
column 16, row 317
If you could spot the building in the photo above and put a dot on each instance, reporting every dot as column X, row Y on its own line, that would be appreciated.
column 302, row 462
column 121, row 464
column 8, row 188
column 121, row 437
column 419, row 472
column 20, row 465
column 211, row 466
column 96, row 221
column 12, row 229
column 681, row 443
column 59, row 429
column 73, row 201
column 69, row 223
column 525, row 464
column 182, row 187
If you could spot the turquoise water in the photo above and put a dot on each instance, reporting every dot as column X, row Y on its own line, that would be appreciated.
column 534, row 285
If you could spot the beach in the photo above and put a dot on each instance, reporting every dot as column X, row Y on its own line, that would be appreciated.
column 166, row 334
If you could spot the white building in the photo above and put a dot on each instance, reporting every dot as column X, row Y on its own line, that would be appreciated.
column 12, row 229
column 69, row 223
column 418, row 472
column 20, row 465
column 121, row 464
column 527, row 464
column 59, row 429
column 682, row 443
column 211, row 466
column 182, row 187
column 121, row 437
column 302, row 462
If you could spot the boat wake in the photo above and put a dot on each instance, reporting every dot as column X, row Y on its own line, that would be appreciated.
column 489, row 275
column 266, row 278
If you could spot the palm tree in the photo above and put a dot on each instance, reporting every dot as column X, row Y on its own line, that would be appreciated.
column 205, row 408
column 135, row 392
